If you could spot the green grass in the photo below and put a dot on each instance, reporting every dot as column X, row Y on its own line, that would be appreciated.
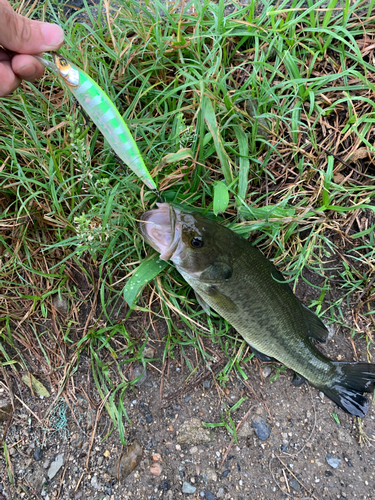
column 232, row 113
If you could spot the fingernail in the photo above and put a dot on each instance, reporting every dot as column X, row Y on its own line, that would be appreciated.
column 53, row 36
column 28, row 71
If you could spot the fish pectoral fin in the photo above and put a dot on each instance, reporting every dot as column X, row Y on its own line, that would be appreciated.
column 206, row 308
column 221, row 300
column 316, row 327
column 218, row 271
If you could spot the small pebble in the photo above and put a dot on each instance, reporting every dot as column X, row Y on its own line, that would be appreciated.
column 94, row 483
column 266, row 372
column 139, row 370
column 164, row 485
column 129, row 461
column 148, row 352
column 61, row 304
column 209, row 495
column 56, row 466
column 156, row 469
column 38, row 454
column 192, row 432
column 188, row 488
column 6, row 409
column 220, row 493
column 225, row 473
column 85, row 447
column 76, row 441
column 262, row 430
column 334, row 462
column 149, row 418
column 210, row 475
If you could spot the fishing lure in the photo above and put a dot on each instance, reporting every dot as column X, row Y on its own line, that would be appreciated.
column 103, row 113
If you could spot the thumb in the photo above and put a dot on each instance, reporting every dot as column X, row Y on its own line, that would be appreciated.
column 25, row 36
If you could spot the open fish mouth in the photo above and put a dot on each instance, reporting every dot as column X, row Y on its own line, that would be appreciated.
column 161, row 228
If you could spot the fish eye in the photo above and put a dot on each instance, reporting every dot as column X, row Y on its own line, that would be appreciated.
column 196, row 242
column 63, row 62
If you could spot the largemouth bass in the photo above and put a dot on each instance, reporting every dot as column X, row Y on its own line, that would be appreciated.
column 232, row 277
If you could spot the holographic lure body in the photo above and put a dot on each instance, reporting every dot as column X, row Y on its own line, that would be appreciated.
column 103, row 113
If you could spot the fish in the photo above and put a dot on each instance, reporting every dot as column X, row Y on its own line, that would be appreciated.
column 99, row 107
column 232, row 277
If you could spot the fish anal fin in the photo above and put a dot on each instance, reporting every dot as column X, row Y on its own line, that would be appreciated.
column 261, row 356
column 316, row 328
column 206, row 308
column 298, row 380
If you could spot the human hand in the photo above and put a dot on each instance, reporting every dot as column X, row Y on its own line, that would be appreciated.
column 24, row 36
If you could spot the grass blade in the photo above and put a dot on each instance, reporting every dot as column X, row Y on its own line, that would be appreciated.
column 221, row 197
column 145, row 272
column 210, row 119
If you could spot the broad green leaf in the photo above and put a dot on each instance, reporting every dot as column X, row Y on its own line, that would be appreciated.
column 221, row 197
column 145, row 272
column 35, row 385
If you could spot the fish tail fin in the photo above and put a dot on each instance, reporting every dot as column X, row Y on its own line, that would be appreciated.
column 349, row 384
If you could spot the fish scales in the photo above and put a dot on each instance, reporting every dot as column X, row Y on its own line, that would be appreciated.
column 233, row 278
column 272, row 310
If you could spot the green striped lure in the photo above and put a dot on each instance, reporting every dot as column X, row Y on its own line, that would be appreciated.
column 103, row 113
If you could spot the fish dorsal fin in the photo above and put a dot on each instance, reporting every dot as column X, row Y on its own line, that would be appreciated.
column 206, row 308
column 218, row 271
column 316, row 327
